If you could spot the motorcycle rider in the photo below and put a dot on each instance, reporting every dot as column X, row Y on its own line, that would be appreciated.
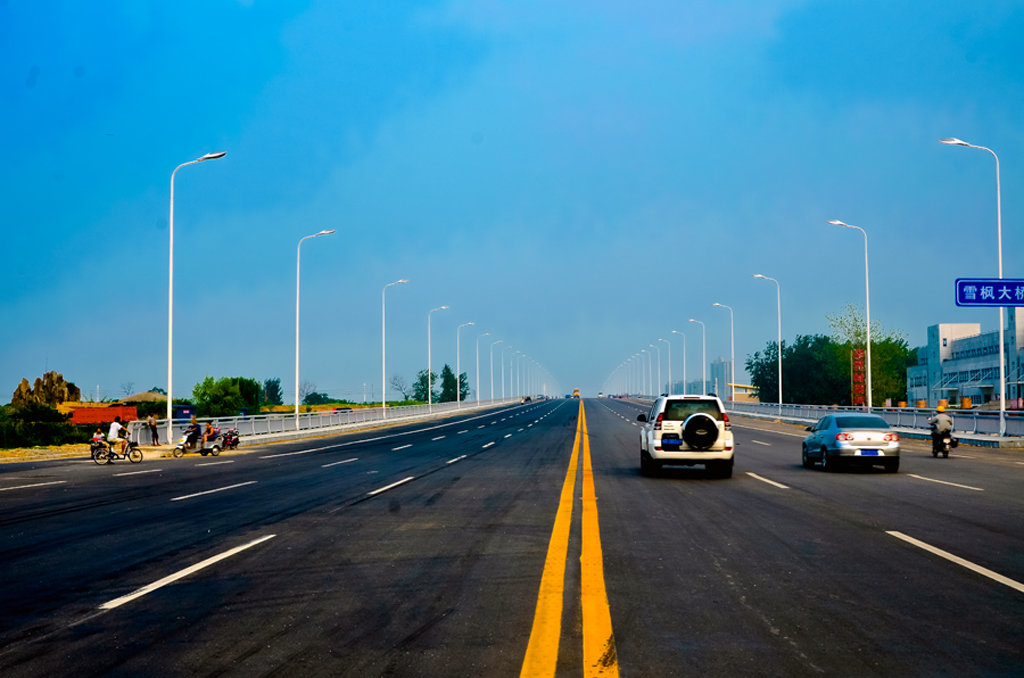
column 114, row 436
column 942, row 425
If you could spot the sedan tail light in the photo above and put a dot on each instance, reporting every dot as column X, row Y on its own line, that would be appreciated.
column 844, row 436
column 892, row 437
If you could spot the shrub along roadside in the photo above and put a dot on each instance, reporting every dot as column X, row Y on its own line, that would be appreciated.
column 38, row 425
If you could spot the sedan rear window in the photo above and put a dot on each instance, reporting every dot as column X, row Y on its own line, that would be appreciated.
column 680, row 410
column 861, row 421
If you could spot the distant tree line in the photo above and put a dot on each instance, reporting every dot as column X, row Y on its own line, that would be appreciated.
column 818, row 369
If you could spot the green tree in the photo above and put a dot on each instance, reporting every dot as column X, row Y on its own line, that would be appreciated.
column 815, row 371
column 463, row 386
column 849, row 327
column 420, row 388
column 317, row 399
column 764, row 372
column 272, row 393
column 448, row 385
column 226, row 396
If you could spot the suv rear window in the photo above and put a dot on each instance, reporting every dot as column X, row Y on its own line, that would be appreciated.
column 861, row 422
column 680, row 410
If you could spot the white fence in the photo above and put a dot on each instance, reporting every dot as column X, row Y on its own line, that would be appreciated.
column 986, row 422
column 280, row 422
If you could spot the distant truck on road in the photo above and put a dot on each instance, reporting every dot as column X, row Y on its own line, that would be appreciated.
column 575, row 393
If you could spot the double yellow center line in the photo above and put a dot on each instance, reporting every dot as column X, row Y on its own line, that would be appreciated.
column 599, row 657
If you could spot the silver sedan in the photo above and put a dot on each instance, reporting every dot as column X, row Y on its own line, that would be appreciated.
column 843, row 439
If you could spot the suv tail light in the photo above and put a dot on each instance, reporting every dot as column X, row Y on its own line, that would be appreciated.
column 892, row 437
column 844, row 436
column 657, row 422
column 725, row 418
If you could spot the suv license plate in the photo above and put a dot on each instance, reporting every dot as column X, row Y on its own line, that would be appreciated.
column 671, row 441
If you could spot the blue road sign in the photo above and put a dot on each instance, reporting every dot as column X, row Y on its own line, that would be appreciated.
column 989, row 292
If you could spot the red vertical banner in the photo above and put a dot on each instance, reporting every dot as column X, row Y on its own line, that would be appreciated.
column 859, row 390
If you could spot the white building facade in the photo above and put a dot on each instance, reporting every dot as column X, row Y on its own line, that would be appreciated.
column 962, row 362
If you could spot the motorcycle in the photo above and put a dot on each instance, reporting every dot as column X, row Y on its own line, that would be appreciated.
column 231, row 439
column 943, row 444
column 187, row 442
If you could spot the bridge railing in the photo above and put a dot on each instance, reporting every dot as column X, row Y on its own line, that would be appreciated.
column 903, row 417
column 281, row 422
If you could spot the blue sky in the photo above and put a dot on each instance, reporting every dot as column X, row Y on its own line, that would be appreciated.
column 576, row 178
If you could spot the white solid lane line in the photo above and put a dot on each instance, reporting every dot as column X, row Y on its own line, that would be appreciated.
column 437, row 438
column 21, row 487
column 219, row 489
column 385, row 489
column 452, row 461
column 932, row 480
column 959, row 561
column 340, row 462
column 765, row 480
column 117, row 602
column 400, row 447
column 135, row 473
column 760, row 443
column 292, row 454
column 214, row 463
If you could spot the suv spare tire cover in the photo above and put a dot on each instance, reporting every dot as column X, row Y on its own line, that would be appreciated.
column 700, row 431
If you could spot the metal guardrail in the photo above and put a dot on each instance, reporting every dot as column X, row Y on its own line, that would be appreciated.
column 280, row 422
column 983, row 423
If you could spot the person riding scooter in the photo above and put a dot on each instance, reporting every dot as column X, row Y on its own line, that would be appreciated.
column 192, row 433
column 942, row 426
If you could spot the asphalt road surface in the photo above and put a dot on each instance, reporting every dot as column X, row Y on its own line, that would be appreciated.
column 521, row 541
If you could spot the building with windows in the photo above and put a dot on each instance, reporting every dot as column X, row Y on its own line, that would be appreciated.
column 720, row 377
column 962, row 362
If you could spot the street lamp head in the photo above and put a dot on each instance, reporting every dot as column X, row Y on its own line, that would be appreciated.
column 468, row 324
column 693, row 321
column 486, row 334
column 716, row 304
column 442, row 308
column 399, row 282
column 325, row 232
column 212, row 156
column 758, row 275
column 836, row 222
column 953, row 141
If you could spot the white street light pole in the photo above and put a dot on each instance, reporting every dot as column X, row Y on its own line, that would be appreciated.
column 669, row 366
column 703, row 357
column 384, row 351
column 643, row 365
column 430, row 387
column 950, row 141
column 657, row 391
column 732, row 344
column 503, row 371
column 298, row 254
column 485, row 334
column 492, row 366
column 778, row 291
column 684, row 358
column 170, row 300
column 867, row 299
column 512, row 380
column 458, row 366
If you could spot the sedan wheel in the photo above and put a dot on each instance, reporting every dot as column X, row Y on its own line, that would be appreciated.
column 806, row 457
column 826, row 465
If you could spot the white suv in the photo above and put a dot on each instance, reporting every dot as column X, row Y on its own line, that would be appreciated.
column 686, row 430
